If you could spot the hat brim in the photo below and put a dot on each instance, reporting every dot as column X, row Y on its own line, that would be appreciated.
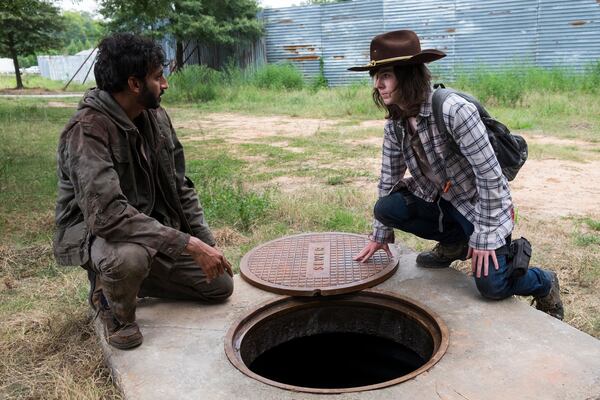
column 426, row 56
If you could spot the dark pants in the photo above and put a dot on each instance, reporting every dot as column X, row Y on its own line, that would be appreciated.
column 127, row 271
column 408, row 213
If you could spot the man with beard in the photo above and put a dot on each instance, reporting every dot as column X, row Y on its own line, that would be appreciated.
column 126, row 212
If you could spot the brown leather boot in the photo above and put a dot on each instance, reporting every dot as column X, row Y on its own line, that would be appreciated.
column 441, row 256
column 551, row 303
column 122, row 336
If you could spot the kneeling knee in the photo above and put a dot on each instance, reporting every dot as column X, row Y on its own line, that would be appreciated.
column 131, row 260
column 221, row 289
column 389, row 209
column 491, row 289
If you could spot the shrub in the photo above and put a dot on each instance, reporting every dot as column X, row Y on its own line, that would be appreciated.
column 591, row 78
column 498, row 87
column 194, row 83
column 278, row 76
column 320, row 81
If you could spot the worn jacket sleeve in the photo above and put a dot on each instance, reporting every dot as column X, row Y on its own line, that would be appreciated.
column 188, row 196
column 105, row 208
column 470, row 134
column 393, row 169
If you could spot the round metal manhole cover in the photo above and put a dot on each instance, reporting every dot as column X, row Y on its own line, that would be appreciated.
column 315, row 264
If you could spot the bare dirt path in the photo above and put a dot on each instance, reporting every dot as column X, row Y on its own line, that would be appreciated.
column 544, row 187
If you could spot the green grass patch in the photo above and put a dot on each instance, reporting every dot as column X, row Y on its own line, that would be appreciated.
column 31, row 81
column 28, row 179
column 336, row 180
column 586, row 232
column 509, row 86
column 347, row 221
column 225, row 200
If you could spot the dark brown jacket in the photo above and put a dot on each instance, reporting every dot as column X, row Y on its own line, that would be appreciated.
column 108, row 186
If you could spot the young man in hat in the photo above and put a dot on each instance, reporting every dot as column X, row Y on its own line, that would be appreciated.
column 126, row 212
column 461, row 200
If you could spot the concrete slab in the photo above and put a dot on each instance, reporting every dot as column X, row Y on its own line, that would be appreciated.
column 498, row 350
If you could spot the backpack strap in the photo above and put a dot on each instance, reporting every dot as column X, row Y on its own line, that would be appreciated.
column 440, row 94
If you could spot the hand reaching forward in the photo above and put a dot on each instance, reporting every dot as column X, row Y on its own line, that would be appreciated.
column 210, row 259
column 370, row 249
column 480, row 258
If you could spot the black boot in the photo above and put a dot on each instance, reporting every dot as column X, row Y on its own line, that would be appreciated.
column 443, row 255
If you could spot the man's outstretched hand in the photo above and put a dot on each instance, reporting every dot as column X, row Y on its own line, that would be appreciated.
column 210, row 259
column 370, row 249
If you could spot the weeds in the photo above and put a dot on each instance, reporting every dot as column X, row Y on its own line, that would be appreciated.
column 278, row 76
column 223, row 196
column 509, row 87
column 587, row 233
column 194, row 83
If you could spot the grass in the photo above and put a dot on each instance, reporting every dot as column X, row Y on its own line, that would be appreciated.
column 31, row 81
column 253, row 189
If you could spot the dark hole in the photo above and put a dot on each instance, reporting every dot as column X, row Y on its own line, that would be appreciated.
column 336, row 360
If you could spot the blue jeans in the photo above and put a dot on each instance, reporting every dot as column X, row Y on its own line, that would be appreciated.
column 408, row 213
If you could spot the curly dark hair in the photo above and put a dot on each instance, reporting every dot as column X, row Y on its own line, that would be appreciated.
column 123, row 55
column 414, row 83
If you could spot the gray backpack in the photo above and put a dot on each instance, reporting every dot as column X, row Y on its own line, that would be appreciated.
column 511, row 150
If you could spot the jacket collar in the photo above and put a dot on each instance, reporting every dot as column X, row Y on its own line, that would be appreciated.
column 103, row 102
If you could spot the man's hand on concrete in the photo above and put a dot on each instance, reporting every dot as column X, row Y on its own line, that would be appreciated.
column 370, row 249
column 210, row 259
column 479, row 259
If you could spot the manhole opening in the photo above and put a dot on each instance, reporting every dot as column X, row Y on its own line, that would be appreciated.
column 342, row 344
column 336, row 360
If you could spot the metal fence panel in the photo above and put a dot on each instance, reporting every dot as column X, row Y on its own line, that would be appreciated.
column 492, row 34
column 62, row 68
column 432, row 20
column 495, row 33
column 568, row 33
column 295, row 37
column 347, row 29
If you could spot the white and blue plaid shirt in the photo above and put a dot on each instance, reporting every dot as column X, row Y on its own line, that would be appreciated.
column 477, row 187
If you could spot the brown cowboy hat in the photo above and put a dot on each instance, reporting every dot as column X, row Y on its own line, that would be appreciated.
column 398, row 48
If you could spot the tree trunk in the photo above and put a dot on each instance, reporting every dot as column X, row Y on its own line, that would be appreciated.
column 14, row 55
column 179, row 55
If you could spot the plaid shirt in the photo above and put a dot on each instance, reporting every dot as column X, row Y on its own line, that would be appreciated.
column 478, row 189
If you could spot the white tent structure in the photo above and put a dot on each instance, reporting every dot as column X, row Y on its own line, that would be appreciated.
column 7, row 66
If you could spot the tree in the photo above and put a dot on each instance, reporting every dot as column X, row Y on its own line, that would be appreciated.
column 81, row 33
column 211, row 21
column 28, row 26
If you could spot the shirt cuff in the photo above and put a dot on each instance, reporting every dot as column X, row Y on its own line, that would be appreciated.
column 382, row 236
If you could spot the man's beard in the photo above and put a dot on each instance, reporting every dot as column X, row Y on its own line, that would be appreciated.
column 148, row 100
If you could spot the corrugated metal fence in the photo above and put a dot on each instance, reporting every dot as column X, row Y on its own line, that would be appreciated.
column 474, row 33
column 62, row 68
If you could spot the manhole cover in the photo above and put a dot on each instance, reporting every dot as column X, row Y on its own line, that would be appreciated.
column 315, row 264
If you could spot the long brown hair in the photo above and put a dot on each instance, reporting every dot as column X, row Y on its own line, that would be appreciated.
column 414, row 82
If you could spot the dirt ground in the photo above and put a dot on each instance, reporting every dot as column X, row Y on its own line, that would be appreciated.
column 545, row 187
